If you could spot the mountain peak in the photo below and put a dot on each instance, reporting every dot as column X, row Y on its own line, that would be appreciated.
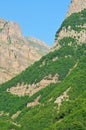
column 9, row 29
column 16, row 51
column 76, row 6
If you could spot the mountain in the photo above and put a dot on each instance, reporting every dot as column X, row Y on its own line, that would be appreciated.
column 16, row 51
column 76, row 6
column 51, row 93
column 73, row 26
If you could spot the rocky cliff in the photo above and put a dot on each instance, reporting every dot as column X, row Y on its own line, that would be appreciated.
column 16, row 51
column 51, row 93
column 74, row 25
column 76, row 6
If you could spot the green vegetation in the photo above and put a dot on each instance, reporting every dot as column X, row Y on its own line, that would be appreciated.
column 75, row 22
column 45, row 116
column 67, row 57
column 69, row 62
column 71, row 113
column 1, row 29
column 7, row 124
column 10, row 103
column 36, row 73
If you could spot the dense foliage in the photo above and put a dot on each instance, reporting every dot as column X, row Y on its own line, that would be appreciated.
column 66, row 58
column 75, row 22
column 69, row 62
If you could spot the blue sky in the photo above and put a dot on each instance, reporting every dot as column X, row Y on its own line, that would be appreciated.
column 37, row 18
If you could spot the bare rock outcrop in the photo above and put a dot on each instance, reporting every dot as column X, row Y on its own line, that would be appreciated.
column 77, row 31
column 76, row 6
column 34, row 103
column 62, row 97
column 16, row 51
column 79, row 36
column 30, row 89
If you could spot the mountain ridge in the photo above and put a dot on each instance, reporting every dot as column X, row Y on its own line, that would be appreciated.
column 60, row 104
column 16, row 51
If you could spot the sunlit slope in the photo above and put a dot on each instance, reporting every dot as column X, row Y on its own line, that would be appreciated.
column 57, row 83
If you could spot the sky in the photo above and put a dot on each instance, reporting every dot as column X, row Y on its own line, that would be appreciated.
column 37, row 18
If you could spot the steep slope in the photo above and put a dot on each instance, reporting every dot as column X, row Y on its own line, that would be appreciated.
column 40, row 46
column 74, row 26
column 17, row 52
column 76, row 6
column 51, row 93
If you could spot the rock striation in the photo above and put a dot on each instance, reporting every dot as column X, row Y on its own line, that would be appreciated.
column 16, row 51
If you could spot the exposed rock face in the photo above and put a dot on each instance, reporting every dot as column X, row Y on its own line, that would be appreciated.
column 76, row 30
column 76, row 6
column 62, row 97
column 34, row 103
column 80, row 36
column 16, row 51
column 30, row 89
column 14, row 116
